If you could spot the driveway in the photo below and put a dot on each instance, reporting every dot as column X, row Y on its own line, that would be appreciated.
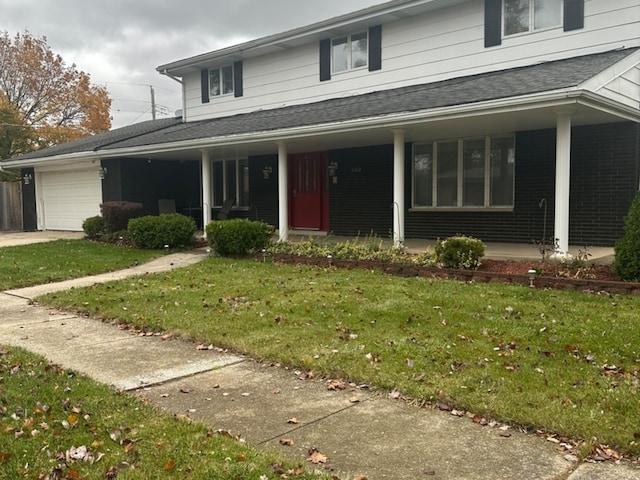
column 10, row 239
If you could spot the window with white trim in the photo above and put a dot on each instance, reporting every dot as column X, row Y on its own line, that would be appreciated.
column 465, row 173
column 522, row 16
column 231, row 180
column 349, row 52
column 221, row 81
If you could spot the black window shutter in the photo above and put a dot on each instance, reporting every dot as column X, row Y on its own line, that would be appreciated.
column 375, row 48
column 573, row 15
column 492, row 23
column 325, row 60
column 237, row 79
column 204, row 84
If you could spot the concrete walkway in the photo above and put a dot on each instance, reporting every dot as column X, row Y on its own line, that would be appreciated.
column 361, row 432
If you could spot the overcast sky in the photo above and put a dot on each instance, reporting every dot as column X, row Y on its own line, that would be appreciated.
column 121, row 42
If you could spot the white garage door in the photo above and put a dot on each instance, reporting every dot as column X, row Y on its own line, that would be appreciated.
column 68, row 198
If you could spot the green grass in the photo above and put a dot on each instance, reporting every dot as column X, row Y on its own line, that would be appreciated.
column 28, row 265
column 560, row 361
column 47, row 416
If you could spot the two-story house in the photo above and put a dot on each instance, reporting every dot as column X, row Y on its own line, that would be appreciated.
column 507, row 120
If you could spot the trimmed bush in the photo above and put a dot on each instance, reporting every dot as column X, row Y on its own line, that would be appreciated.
column 627, row 249
column 459, row 252
column 238, row 236
column 117, row 214
column 94, row 227
column 155, row 232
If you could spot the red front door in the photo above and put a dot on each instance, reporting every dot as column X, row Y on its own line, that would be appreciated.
column 309, row 200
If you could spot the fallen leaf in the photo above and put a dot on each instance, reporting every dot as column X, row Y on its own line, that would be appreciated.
column 354, row 400
column 185, row 390
column 293, row 421
column 504, row 434
column 316, row 457
column 334, row 385
column 287, row 442
column 361, row 477
column 170, row 465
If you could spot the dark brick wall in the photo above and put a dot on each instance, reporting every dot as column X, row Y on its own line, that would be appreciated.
column 263, row 193
column 136, row 180
column 29, row 215
column 604, row 179
column 360, row 203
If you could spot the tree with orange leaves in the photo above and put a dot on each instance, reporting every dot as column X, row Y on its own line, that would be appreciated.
column 50, row 101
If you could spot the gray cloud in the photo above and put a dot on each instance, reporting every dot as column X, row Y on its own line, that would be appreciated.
column 120, row 42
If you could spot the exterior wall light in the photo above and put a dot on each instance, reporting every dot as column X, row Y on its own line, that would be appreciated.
column 27, row 178
column 102, row 172
column 266, row 171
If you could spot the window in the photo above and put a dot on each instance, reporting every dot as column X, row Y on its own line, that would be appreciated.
column 349, row 52
column 231, row 180
column 464, row 173
column 221, row 81
column 522, row 16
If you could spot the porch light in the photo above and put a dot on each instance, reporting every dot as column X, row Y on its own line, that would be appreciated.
column 532, row 274
column 27, row 178
column 330, row 260
column 333, row 166
column 266, row 172
column 102, row 172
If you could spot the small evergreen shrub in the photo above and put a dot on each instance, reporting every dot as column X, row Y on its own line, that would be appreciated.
column 238, row 236
column 459, row 252
column 94, row 227
column 117, row 214
column 627, row 249
column 155, row 232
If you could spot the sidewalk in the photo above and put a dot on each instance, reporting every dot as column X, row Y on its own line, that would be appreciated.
column 361, row 432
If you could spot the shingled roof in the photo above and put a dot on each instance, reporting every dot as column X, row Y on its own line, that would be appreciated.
column 514, row 82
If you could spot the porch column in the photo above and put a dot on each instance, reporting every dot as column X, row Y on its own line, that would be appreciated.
column 398, row 187
column 283, row 194
column 563, row 162
column 206, row 188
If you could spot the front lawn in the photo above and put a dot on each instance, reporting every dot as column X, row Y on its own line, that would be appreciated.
column 55, row 424
column 40, row 263
column 559, row 361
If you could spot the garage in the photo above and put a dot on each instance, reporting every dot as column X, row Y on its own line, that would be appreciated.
column 66, row 198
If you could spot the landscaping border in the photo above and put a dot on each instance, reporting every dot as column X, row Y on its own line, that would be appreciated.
column 405, row 270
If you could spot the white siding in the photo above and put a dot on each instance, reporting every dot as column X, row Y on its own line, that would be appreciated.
column 444, row 44
column 624, row 89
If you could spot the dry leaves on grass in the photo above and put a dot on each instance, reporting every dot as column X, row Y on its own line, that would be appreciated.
column 316, row 457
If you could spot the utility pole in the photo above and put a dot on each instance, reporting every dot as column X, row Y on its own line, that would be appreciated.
column 153, row 102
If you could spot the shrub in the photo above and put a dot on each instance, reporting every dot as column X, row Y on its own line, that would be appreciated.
column 459, row 252
column 117, row 214
column 627, row 249
column 238, row 236
column 154, row 232
column 94, row 227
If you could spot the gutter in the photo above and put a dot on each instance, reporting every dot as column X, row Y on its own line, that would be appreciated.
column 182, row 89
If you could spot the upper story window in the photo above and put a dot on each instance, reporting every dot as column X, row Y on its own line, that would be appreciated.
column 218, row 81
column 349, row 52
column 521, row 16
column 356, row 51
column 221, row 81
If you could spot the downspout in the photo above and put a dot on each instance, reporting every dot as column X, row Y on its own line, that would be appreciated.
column 184, row 97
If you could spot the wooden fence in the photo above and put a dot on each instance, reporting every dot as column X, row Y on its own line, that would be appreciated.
column 10, row 206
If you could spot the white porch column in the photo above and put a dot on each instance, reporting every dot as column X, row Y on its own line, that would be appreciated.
column 206, row 188
column 563, row 162
column 398, row 187
column 283, row 192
